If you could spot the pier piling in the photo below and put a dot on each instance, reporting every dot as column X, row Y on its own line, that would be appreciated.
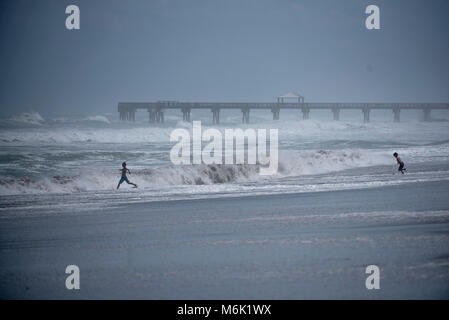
column 305, row 113
column 397, row 114
column 366, row 112
column 215, row 115
column 245, row 115
column 336, row 113
column 186, row 114
column 127, row 110
column 426, row 113
column 276, row 112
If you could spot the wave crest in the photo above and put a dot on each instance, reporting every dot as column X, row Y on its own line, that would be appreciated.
column 30, row 118
column 292, row 165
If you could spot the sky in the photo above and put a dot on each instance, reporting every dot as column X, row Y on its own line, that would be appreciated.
column 211, row 50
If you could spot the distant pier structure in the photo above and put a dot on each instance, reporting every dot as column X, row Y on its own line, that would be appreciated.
column 289, row 101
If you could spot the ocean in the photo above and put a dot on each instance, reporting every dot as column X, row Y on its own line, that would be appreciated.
column 336, row 205
column 63, row 160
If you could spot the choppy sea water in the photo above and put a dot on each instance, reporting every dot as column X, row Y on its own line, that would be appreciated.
column 73, row 162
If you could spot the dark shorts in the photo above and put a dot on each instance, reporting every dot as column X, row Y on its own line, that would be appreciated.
column 124, row 179
column 401, row 166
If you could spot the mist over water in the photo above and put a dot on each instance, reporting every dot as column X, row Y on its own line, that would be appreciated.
column 81, row 156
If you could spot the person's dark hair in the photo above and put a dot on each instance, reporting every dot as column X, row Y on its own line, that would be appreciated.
column 124, row 164
column 395, row 154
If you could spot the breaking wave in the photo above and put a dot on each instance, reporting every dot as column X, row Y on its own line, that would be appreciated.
column 76, row 135
column 98, row 119
column 33, row 118
column 103, row 129
column 293, row 164
column 79, row 153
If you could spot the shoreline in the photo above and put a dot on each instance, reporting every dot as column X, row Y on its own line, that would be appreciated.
column 303, row 246
column 101, row 199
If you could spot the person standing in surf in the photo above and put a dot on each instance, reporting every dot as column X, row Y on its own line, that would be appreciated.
column 400, row 162
column 125, row 170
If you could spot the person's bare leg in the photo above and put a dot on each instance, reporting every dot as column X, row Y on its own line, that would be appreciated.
column 135, row 185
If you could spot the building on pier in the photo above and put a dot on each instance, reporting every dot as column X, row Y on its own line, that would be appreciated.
column 291, row 96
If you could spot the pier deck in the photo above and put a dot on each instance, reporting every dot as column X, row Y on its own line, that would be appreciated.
column 155, row 110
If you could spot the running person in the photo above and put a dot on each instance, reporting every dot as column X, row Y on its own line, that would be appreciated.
column 400, row 162
column 124, row 170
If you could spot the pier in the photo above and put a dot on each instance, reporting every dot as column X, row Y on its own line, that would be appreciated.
column 127, row 110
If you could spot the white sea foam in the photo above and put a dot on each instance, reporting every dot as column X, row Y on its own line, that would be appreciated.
column 78, row 135
column 291, row 132
column 98, row 118
column 29, row 118
column 77, row 154
column 292, row 164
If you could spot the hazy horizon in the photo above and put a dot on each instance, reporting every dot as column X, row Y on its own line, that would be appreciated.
column 219, row 51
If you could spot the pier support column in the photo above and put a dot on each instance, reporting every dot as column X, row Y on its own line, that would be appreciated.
column 426, row 113
column 305, row 113
column 129, row 115
column 336, row 113
column 276, row 112
column 186, row 114
column 397, row 114
column 245, row 115
column 159, row 115
column 151, row 115
column 215, row 115
column 366, row 112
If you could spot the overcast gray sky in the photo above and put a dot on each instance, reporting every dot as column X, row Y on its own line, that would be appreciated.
column 209, row 50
